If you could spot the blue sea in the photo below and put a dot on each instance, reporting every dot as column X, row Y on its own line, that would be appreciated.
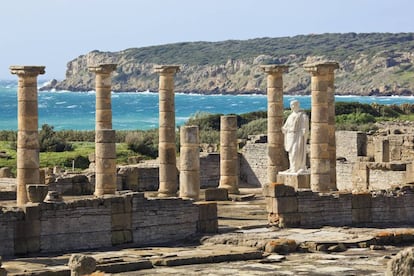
column 131, row 111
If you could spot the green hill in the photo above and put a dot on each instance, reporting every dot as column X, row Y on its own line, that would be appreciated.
column 370, row 63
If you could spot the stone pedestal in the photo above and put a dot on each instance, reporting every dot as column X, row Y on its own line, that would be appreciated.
column 189, row 162
column 105, row 162
column 277, row 158
column 229, row 178
column 166, row 148
column 103, row 89
column 27, row 125
column 323, row 150
column 295, row 180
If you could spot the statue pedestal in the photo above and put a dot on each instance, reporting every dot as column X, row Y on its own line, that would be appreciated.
column 295, row 180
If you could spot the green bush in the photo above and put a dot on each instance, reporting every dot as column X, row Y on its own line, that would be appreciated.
column 143, row 142
column 205, row 121
column 258, row 126
column 355, row 118
column 49, row 141
column 355, row 107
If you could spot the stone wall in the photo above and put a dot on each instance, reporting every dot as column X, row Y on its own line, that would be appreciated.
column 253, row 162
column 8, row 218
column 289, row 208
column 350, row 144
column 102, row 222
column 209, row 170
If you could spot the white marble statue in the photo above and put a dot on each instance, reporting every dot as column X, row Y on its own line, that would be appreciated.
column 296, row 131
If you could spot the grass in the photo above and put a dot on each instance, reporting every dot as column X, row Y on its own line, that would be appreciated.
column 64, row 159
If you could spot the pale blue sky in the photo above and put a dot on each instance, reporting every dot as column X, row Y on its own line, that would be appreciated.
column 53, row 32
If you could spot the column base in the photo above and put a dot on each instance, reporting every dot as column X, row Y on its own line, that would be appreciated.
column 161, row 194
column 295, row 180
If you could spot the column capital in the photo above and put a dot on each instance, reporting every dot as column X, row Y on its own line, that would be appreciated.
column 275, row 69
column 167, row 69
column 322, row 68
column 29, row 71
column 105, row 68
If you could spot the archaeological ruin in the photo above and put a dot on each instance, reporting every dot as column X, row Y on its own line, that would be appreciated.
column 351, row 178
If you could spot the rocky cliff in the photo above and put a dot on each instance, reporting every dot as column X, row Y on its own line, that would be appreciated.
column 370, row 64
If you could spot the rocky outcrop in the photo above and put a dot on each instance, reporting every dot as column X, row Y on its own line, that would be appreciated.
column 378, row 68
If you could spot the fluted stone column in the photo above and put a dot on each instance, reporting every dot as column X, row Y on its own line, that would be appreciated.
column 105, row 149
column 276, row 155
column 166, row 147
column 189, row 162
column 27, row 125
column 103, row 87
column 323, row 155
column 228, row 154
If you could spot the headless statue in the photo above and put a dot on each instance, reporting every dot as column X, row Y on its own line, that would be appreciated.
column 296, row 131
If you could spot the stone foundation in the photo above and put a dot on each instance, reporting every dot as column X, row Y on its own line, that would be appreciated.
column 289, row 208
column 102, row 222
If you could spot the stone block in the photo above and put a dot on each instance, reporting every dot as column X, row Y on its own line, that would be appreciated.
column 121, row 221
column 297, row 181
column 289, row 220
column 361, row 201
column 361, row 216
column 283, row 205
column 105, row 136
column 206, row 210
column 213, row 194
column 207, row 226
column 121, row 237
column 278, row 190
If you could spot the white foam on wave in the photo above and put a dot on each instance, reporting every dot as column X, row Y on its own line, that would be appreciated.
column 59, row 103
column 72, row 106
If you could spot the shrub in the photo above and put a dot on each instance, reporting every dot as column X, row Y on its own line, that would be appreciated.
column 205, row 121
column 258, row 126
column 355, row 118
column 143, row 142
column 49, row 141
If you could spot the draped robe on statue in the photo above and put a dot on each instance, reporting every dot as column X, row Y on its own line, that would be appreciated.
column 296, row 129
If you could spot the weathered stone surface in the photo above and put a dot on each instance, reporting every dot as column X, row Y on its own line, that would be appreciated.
column 402, row 264
column 81, row 264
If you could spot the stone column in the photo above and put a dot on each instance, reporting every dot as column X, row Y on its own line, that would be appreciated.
column 105, row 150
column 276, row 155
column 323, row 156
column 166, row 147
column 189, row 162
column 228, row 154
column 103, row 89
column 27, row 125
column 105, row 162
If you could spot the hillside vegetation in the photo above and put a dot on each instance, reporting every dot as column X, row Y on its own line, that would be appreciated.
column 370, row 63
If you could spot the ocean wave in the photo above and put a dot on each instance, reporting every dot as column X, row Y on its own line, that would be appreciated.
column 59, row 103
column 72, row 106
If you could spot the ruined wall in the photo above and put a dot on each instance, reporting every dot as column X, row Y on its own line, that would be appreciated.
column 102, row 222
column 289, row 208
column 209, row 170
column 8, row 218
column 350, row 144
column 253, row 162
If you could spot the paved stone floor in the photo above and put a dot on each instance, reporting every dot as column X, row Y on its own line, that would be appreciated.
column 237, row 249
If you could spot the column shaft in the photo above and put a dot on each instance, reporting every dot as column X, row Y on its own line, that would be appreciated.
column 105, row 149
column 323, row 160
column 27, row 124
column 276, row 155
column 166, row 147
column 189, row 162
column 105, row 162
column 103, row 87
column 229, row 178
